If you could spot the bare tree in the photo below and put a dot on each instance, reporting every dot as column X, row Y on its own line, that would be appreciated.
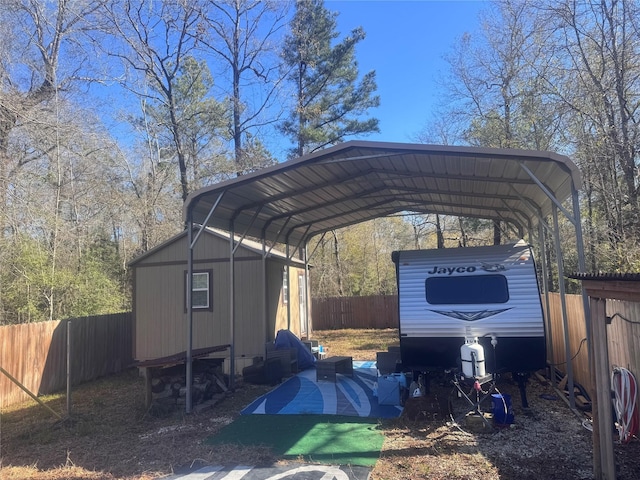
column 31, row 75
column 562, row 76
column 42, row 57
column 243, row 34
column 356, row 260
column 599, row 84
column 157, row 46
column 143, row 188
column 495, row 87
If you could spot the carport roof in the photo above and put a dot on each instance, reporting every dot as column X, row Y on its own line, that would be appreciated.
column 358, row 181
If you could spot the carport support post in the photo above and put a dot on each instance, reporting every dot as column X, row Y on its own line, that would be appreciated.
column 307, row 291
column 69, row 343
column 265, row 301
column 189, row 359
column 545, row 289
column 581, row 264
column 563, row 304
column 288, row 289
column 232, row 309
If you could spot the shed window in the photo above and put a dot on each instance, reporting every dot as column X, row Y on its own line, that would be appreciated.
column 201, row 290
column 467, row 290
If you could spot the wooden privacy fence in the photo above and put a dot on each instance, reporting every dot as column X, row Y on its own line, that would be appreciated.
column 577, row 332
column 380, row 311
column 623, row 337
column 36, row 353
column 622, row 333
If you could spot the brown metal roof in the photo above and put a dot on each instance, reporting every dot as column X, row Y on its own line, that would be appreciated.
column 358, row 181
column 605, row 276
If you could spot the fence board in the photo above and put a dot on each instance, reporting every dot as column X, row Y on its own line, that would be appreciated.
column 577, row 332
column 23, row 354
column 380, row 311
column 36, row 353
column 624, row 335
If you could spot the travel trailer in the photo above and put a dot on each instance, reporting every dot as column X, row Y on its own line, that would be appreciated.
column 477, row 309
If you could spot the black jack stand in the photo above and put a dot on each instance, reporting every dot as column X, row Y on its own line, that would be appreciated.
column 461, row 383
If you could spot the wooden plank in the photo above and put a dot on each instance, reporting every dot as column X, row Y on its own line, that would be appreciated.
column 595, row 401
column 563, row 383
column 604, row 463
column 181, row 357
column 540, row 378
column 613, row 289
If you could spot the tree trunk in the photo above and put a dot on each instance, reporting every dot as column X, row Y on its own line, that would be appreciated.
column 497, row 234
column 439, row 234
column 336, row 256
column 464, row 241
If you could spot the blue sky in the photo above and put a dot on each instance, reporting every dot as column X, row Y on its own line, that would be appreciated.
column 405, row 43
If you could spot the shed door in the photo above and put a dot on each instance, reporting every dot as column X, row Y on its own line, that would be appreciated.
column 303, row 304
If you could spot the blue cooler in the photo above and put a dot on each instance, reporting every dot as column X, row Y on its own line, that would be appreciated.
column 390, row 389
column 502, row 411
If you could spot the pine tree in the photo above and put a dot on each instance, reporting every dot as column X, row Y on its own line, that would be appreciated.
column 329, row 99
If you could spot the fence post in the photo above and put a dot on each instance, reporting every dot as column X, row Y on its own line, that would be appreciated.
column 69, row 368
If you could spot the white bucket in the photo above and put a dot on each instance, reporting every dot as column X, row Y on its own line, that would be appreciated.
column 472, row 355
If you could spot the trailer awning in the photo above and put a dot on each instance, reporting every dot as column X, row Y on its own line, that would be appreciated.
column 358, row 181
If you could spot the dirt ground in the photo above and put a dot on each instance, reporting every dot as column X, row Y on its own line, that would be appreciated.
column 110, row 435
column 545, row 441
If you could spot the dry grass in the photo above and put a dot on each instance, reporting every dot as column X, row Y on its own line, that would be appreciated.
column 359, row 344
column 111, row 437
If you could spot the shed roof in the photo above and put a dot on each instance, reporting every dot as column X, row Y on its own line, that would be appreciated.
column 358, row 181
column 250, row 245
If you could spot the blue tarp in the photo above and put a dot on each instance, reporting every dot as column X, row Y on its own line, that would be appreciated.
column 286, row 339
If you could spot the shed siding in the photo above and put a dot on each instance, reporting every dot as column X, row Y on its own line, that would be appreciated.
column 160, row 312
column 249, row 333
column 159, row 303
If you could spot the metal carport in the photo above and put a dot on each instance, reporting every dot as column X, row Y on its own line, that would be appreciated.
column 356, row 181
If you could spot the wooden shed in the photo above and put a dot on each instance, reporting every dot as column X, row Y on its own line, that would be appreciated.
column 265, row 302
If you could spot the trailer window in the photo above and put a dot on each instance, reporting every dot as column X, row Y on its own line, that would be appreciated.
column 470, row 289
